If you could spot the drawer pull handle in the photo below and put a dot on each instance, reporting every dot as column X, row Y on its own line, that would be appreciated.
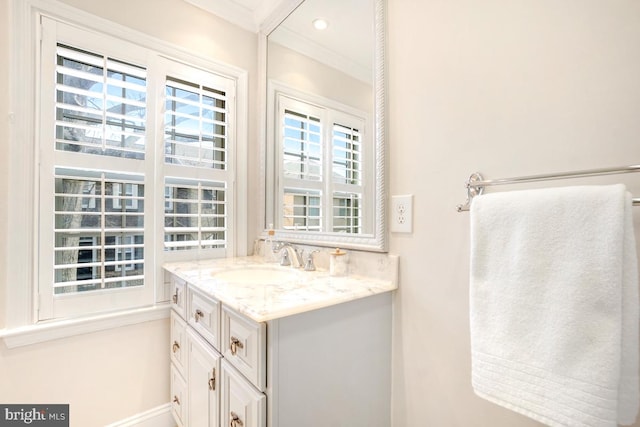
column 198, row 315
column 175, row 297
column 176, row 400
column 212, row 380
column 175, row 346
column 235, row 345
column 235, row 420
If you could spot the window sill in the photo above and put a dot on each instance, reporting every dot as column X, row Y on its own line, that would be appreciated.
column 56, row 329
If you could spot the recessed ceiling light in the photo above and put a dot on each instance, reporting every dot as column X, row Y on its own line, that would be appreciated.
column 320, row 24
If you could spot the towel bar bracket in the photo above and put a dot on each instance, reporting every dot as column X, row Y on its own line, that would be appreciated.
column 472, row 190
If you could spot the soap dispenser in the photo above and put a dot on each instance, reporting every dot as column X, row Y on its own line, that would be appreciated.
column 269, row 245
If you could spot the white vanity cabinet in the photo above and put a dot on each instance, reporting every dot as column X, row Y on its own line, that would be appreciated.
column 178, row 355
column 207, row 391
column 178, row 341
column 204, row 316
column 178, row 397
column 203, row 382
column 317, row 367
column 244, row 346
column 242, row 405
column 178, row 296
column 331, row 366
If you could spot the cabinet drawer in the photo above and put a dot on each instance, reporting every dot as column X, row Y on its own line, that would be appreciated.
column 204, row 316
column 178, row 397
column 178, row 296
column 178, row 343
column 244, row 346
column 241, row 405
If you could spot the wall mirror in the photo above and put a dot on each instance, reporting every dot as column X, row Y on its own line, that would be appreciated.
column 325, row 153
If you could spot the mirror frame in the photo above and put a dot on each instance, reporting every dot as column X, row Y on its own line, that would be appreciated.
column 371, row 242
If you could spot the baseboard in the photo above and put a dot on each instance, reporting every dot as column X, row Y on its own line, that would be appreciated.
column 160, row 416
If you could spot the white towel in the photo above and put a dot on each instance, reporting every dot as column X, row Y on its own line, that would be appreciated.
column 554, row 304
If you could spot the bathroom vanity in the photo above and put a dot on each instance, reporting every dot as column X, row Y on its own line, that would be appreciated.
column 254, row 344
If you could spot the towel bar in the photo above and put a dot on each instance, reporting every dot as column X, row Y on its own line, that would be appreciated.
column 476, row 183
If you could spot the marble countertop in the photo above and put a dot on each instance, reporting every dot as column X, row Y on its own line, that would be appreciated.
column 266, row 291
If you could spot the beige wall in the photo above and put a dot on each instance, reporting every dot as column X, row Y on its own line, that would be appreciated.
column 4, row 136
column 110, row 375
column 182, row 24
column 313, row 77
column 104, row 377
column 507, row 88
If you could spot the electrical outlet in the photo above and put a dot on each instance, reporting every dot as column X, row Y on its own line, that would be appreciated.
column 402, row 214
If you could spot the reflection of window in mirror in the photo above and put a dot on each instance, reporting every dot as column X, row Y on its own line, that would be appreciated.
column 322, row 166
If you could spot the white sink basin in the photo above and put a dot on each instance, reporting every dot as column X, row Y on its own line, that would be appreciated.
column 259, row 275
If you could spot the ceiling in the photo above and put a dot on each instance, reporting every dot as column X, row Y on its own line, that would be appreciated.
column 248, row 14
column 347, row 43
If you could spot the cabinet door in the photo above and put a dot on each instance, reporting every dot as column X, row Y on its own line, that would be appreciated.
column 203, row 382
column 241, row 405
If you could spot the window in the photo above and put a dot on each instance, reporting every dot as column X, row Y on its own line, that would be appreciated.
column 302, row 210
column 109, row 230
column 195, row 125
column 194, row 215
column 129, row 194
column 100, row 104
column 123, row 132
column 302, row 146
column 322, row 167
column 195, row 135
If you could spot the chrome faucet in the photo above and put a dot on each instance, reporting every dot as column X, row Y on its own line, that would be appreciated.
column 289, row 254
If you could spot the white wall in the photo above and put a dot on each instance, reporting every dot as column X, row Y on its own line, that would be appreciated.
column 506, row 88
column 110, row 375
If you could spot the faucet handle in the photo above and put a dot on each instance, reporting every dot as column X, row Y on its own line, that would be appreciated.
column 308, row 264
column 284, row 257
column 276, row 246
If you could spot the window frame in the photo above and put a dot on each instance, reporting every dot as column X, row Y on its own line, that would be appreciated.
column 330, row 114
column 172, row 171
column 21, row 322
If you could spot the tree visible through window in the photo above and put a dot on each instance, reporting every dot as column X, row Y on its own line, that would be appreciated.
column 101, row 105
column 106, row 169
column 100, row 110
